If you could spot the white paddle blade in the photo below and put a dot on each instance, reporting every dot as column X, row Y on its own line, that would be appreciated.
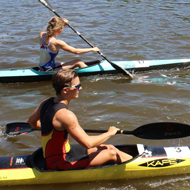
column 43, row 2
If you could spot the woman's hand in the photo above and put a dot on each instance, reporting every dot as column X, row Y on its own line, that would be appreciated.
column 65, row 21
column 96, row 49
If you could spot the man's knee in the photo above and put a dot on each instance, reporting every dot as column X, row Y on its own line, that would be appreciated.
column 110, row 147
column 112, row 155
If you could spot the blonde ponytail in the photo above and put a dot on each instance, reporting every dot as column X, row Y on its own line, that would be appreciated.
column 54, row 24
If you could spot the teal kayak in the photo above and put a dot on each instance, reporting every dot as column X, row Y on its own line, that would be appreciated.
column 34, row 74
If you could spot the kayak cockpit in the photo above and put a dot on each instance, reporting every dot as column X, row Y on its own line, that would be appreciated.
column 90, row 63
column 36, row 69
column 38, row 162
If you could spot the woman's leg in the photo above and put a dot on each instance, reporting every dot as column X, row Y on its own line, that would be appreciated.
column 77, row 63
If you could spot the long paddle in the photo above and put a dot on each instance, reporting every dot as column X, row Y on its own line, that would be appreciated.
column 160, row 130
column 117, row 67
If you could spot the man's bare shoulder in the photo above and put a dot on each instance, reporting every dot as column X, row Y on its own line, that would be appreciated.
column 66, row 115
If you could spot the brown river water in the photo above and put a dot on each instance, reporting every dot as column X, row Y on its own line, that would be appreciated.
column 123, row 30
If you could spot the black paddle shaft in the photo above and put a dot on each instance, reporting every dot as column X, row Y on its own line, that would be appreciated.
column 160, row 130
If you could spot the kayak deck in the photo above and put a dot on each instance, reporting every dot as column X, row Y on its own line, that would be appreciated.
column 146, row 162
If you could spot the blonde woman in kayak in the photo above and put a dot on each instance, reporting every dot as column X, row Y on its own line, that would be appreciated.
column 50, row 46
column 57, row 122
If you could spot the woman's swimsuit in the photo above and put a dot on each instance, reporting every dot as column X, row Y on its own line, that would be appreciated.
column 50, row 64
column 58, row 152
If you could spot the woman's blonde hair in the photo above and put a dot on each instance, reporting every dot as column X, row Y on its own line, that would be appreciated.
column 55, row 23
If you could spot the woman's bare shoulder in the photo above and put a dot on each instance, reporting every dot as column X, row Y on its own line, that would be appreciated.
column 42, row 33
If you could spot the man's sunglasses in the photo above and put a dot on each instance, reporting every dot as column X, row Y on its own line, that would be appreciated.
column 76, row 86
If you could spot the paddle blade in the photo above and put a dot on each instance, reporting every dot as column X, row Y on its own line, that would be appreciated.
column 44, row 3
column 121, row 70
column 117, row 67
column 162, row 130
column 20, row 128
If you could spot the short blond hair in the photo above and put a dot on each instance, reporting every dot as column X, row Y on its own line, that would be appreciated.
column 63, row 78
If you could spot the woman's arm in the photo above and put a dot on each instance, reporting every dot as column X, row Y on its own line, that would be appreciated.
column 64, row 46
column 40, row 36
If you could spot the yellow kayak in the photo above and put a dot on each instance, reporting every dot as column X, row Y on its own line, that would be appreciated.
column 146, row 162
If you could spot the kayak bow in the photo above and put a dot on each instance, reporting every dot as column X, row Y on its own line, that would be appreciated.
column 146, row 162
column 100, row 67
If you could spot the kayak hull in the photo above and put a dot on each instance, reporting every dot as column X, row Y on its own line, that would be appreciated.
column 24, row 75
column 103, row 67
column 148, row 162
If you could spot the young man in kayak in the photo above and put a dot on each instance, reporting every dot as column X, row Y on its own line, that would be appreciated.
column 50, row 47
column 56, row 122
